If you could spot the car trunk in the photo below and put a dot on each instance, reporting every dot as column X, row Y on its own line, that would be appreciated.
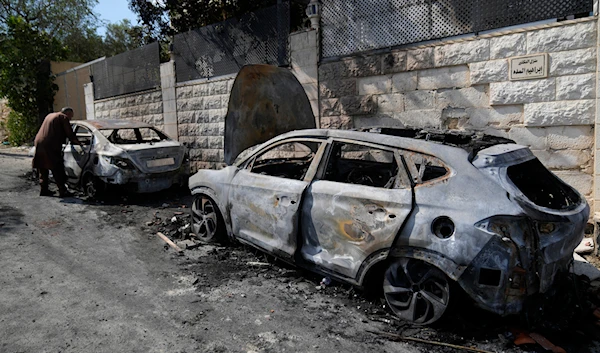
column 555, row 213
column 158, row 157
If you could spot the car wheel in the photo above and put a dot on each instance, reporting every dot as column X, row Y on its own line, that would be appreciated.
column 416, row 291
column 93, row 187
column 207, row 222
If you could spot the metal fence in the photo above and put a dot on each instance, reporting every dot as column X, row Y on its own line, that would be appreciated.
column 133, row 71
column 351, row 26
column 260, row 37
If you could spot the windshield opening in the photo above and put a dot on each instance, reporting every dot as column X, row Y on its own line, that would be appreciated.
column 132, row 136
column 542, row 187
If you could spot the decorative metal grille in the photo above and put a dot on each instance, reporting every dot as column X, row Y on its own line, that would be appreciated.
column 133, row 71
column 223, row 48
column 351, row 26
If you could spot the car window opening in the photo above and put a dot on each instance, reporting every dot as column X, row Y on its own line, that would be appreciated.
column 134, row 136
column 362, row 165
column 542, row 187
column 289, row 160
column 428, row 168
column 83, row 135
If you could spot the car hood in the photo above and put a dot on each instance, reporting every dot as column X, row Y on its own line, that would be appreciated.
column 265, row 101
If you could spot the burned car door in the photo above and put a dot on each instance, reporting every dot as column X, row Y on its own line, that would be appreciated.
column 356, row 208
column 265, row 196
column 75, row 157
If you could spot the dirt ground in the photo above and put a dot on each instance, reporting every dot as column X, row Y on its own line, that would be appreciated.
column 83, row 276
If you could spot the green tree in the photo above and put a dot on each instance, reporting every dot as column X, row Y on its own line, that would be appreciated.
column 25, row 77
column 121, row 37
column 84, row 45
column 58, row 18
column 164, row 18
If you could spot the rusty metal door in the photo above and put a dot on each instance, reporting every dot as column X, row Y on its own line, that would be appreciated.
column 265, row 210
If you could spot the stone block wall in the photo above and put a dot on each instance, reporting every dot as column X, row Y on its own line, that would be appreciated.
column 145, row 106
column 201, row 111
column 464, row 84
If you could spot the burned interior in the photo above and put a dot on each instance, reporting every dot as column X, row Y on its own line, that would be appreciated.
column 542, row 187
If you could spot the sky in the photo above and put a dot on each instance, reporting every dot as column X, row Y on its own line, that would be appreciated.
column 114, row 11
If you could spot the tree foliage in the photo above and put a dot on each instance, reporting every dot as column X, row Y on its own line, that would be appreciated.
column 58, row 18
column 35, row 32
column 121, row 37
column 168, row 17
column 25, row 77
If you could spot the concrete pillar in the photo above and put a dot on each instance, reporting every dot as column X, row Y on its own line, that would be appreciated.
column 88, row 92
column 304, row 58
column 594, row 211
column 167, row 82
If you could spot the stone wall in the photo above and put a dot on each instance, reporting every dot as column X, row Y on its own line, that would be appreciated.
column 201, row 111
column 464, row 85
column 145, row 106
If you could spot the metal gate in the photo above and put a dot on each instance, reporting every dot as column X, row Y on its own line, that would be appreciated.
column 351, row 26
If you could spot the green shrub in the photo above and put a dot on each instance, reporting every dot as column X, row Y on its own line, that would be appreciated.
column 21, row 129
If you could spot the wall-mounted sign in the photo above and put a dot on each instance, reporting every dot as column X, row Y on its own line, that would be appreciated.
column 528, row 67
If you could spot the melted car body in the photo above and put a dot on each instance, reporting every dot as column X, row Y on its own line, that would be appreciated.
column 431, row 208
column 132, row 155
column 340, row 202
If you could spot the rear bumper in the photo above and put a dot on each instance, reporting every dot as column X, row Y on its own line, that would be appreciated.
column 519, row 261
column 137, row 182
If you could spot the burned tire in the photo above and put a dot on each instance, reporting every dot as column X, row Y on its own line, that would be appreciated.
column 416, row 291
column 207, row 221
column 94, row 188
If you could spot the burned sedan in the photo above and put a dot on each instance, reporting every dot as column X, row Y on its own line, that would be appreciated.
column 426, row 209
column 119, row 153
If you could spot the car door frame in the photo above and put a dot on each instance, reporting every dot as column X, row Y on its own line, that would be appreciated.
column 354, row 271
column 77, row 166
column 284, row 244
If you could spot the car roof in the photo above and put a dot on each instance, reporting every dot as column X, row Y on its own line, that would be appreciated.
column 112, row 124
column 379, row 139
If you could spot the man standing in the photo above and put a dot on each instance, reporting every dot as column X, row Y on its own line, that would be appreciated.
column 48, row 150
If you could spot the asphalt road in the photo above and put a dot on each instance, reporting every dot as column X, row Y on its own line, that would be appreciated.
column 80, row 276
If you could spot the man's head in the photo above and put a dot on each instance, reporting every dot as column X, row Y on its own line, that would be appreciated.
column 68, row 111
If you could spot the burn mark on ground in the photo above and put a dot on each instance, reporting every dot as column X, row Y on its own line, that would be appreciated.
column 10, row 218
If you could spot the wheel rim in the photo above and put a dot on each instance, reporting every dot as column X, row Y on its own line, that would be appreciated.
column 416, row 291
column 90, row 188
column 204, row 218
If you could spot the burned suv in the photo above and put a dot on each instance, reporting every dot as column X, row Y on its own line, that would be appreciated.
column 430, row 209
